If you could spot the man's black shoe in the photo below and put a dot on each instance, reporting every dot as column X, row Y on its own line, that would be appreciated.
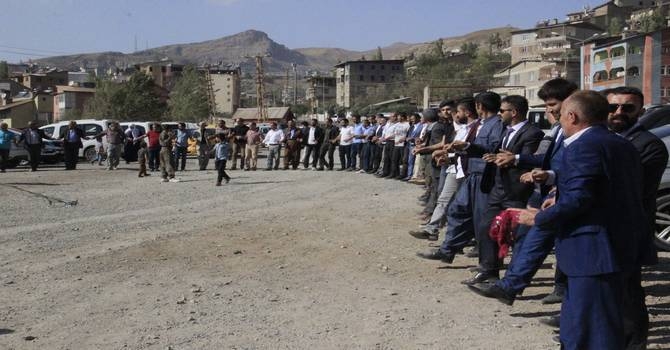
column 480, row 277
column 553, row 298
column 492, row 290
column 436, row 254
column 551, row 321
column 421, row 234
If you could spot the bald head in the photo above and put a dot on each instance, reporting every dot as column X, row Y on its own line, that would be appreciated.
column 583, row 109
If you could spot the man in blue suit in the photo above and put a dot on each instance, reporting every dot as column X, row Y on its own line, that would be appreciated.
column 600, row 224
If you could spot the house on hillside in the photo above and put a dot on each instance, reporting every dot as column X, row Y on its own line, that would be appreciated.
column 41, row 80
column 641, row 61
column 18, row 114
column 70, row 100
column 356, row 80
column 276, row 114
column 162, row 72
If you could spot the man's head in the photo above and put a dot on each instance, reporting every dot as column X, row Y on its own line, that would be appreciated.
column 240, row 121
column 356, row 118
column 446, row 107
column 344, row 122
column 329, row 122
column 430, row 115
column 366, row 123
column 4, row 126
column 72, row 124
column 414, row 118
column 32, row 124
column 466, row 110
column 625, row 107
column 313, row 122
column 393, row 118
column 513, row 109
column 304, row 124
column 273, row 126
column 402, row 117
column 487, row 103
column 291, row 124
column 583, row 109
column 253, row 126
column 181, row 126
column 203, row 125
column 222, row 123
column 553, row 93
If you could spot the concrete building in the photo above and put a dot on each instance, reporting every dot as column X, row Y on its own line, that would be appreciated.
column 162, row 72
column 70, row 100
column 227, row 89
column 602, row 15
column 526, row 77
column 358, row 79
column 321, row 92
column 42, row 80
column 551, row 41
column 17, row 114
column 641, row 61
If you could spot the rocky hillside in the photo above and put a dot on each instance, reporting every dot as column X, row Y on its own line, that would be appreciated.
column 237, row 49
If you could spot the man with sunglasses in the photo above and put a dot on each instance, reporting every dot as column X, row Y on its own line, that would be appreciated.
column 625, row 108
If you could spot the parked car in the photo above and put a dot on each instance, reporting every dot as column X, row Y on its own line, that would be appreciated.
column 657, row 121
column 52, row 152
column 537, row 117
column 91, row 127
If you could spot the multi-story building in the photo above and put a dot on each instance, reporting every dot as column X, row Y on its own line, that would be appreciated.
column 227, row 89
column 70, row 100
column 42, row 79
column 602, row 15
column 526, row 77
column 162, row 72
column 358, row 79
column 321, row 92
column 641, row 61
column 551, row 41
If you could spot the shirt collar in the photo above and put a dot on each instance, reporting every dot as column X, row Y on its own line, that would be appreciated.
column 575, row 137
column 518, row 126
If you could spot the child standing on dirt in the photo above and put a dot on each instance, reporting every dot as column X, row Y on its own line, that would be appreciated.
column 99, row 151
column 221, row 156
column 142, row 156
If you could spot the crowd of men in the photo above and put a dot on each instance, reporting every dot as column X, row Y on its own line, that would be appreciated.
column 493, row 179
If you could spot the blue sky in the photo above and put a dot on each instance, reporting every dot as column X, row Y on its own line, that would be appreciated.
column 38, row 28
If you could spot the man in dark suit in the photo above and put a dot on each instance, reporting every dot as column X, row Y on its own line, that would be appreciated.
column 313, row 139
column 625, row 109
column 506, row 191
column 32, row 141
column 599, row 220
column 470, row 202
column 537, row 244
column 71, row 144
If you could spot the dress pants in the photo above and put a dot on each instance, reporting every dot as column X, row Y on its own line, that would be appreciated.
column 377, row 150
column 365, row 156
column 345, row 156
column 4, row 158
column 355, row 152
column 591, row 313
column 387, row 158
column 451, row 185
column 34, row 155
column 203, row 156
column 635, row 315
column 327, row 149
column 251, row 156
column 292, row 154
column 154, row 158
column 71, row 153
column 238, row 153
column 396, row 160
column 411, row 160
column 467, row 208
column 311, row 151
column 527, row 259
column 180, row 155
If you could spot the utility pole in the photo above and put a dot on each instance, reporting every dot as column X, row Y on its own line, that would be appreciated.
column 295, row 86
column 211, row 99
column 260, row 87
column 285, row 93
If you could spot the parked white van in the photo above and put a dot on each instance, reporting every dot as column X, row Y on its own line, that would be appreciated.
column 90, row 127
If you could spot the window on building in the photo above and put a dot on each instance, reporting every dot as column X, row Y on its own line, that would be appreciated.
column 531, row 76
column 525, row 38
column 382, row 67
column 360, row 78
column 382, row 78
column 600, row 75
column 372, row 67
column 372, row 78
column 634, row 50
column 664, row 70
column 361, row 67
column 617, row 52
column 633, row 72
column 616, row 73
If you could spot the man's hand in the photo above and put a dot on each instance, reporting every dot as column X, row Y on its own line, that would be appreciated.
column 527, row 216
column 549, row 202
column 527, row 178
column 505, row 159
column 489, row 157
column 458, row 146
column 540, row 176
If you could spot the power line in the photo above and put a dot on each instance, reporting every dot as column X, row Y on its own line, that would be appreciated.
column 34, row 50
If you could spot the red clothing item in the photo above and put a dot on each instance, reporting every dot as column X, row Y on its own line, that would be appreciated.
column 503, row 229
column 152, row 137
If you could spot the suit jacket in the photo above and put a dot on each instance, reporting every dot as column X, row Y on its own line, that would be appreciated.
column 24, row 136
column 598, row 211
column 505, row 185
column 318, row 135
column 488, row 140
column 654, row 158
column 66, row 141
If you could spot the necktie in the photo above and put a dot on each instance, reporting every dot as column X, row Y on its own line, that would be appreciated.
column 505, row 141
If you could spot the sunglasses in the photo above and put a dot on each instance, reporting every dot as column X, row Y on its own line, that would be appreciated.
column 625, row 107
column 502, row 110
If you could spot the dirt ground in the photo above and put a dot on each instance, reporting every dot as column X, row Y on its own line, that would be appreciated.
column 273, row 260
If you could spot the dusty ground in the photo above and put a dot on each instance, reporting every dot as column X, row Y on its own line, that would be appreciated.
column 274, row 260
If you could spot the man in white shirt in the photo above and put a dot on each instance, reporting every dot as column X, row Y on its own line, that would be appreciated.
column 273, row 140
column 399, row 136
column 388, row 138
column 314, row 139
column 346, row 138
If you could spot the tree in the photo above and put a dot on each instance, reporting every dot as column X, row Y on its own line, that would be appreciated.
column 654, row 21
column 4, row 70
column 188, row 98
column 379, row 56
column 615, row 26
column 470, row 49
column 438, row 48
column 137, row 99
